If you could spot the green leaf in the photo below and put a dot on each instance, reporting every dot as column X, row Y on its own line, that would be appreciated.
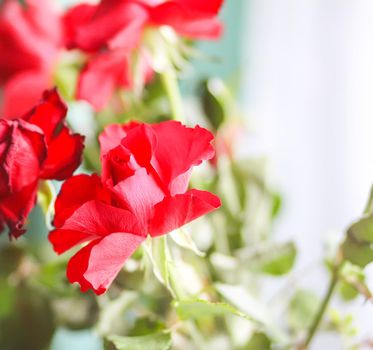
column 259, row 341
column 184, row 240
column 241, row 298
column 214, row 101
column 197, row 309
column 156, row 341
column 270, row 257
column 369, row 206
column 352, row 282
column 362, row 230
column 360, row 254
column 302, row 309
column 158, row 252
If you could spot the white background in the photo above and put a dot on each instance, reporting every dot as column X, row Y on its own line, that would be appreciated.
column 308, row 86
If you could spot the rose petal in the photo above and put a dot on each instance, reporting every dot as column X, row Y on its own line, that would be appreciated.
column 179, row 148
column 174, row 212
column 75, row 192
column 49, row 114
column 113, row 135
column 196, row 20
column 30, row 37
column 64, row 155
column 140, row 193
column 73, row 19
column 100, row 219
column 23, row 91
column 102, row 76
column 113, row 23
column 96, row 265
column 15, row 208
column 22, row 151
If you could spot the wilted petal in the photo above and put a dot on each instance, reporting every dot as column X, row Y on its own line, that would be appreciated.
column 64, row 155
column 64, row 148
column 15, row 208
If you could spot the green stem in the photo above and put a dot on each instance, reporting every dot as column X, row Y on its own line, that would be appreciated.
column 323, row 307
column 171, row 86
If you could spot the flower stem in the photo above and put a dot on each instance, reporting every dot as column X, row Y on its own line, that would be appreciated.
column 171, row 86
column 323, row 307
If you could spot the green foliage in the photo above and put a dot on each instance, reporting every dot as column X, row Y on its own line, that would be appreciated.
column 358, row 246
column 270, row 257
column 302, row 309
column 352, row 282
column 259, row 341
column 156, row 341
column 197, row 309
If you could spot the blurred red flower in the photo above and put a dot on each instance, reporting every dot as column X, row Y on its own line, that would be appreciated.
column 30, row 39
column 143, row 190
column 36, row 146
column 110, row 30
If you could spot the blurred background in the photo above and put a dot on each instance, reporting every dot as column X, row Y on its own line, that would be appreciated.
column 304, row 74
column 308, row 88
column 303, row 71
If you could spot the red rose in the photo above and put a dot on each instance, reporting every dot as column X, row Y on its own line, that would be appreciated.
column 30, row 39
column 109, row 32
column 37, row 146
column 143, row 190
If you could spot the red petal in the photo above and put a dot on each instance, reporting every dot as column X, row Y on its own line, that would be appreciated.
column 100, row 219
column 174, row 212
column 179, row 148
column 91, row 221
column 23, row 91
column 113, row 23
column 141, row 142
column 140, row 193
column 15, row 208
column 116, row 166
column 22, row 150
column 63, row 240
column 75, row 192
column 30, row 37
column 49, row 114
column 192, row 18
column 64, row 155
column 64, row 148
column 102, row 76
column 113, row 134
column 96, row 265
column 73, row 19
column 211, row 7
